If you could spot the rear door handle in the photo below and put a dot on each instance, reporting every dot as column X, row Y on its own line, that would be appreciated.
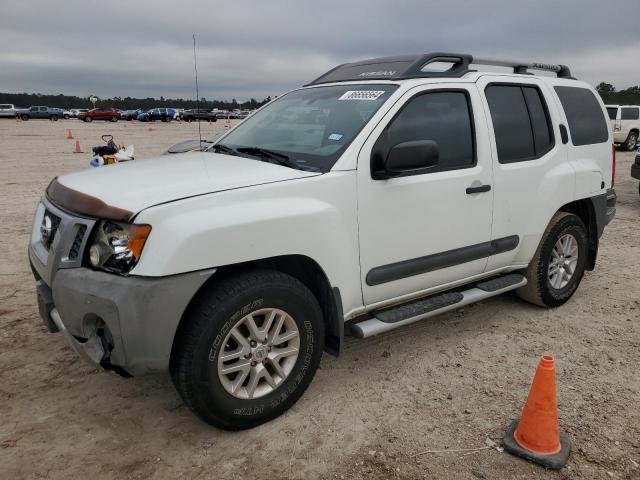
column 478, row 189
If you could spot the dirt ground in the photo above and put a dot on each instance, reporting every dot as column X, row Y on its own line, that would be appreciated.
column 443, row 384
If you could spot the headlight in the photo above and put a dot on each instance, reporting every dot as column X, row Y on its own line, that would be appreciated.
column 116, row 247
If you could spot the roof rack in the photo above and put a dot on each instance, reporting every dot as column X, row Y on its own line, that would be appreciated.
column 413, row 66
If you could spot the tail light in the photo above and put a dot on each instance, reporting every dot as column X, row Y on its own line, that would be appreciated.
column 617, row 127
column 613, row 165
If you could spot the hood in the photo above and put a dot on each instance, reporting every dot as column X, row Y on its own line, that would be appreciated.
column 139, row 184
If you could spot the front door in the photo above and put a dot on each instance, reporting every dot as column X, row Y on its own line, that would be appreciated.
column 432, row 228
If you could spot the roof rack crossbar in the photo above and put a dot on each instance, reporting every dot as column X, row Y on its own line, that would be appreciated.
column 562, row 71
column 414, row 66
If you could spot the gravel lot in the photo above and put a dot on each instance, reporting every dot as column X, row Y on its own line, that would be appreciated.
column 446, row 383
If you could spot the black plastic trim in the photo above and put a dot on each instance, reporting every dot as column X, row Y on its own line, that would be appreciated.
column 604, row 207
column 437, row 261
column 564, row 134
column 335, row 331
column 416, row 63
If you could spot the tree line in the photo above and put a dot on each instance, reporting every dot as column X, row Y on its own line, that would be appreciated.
column 609, row 94
column 126, row 103
column 628, row 96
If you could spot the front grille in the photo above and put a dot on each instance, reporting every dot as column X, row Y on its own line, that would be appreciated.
column 77, row 243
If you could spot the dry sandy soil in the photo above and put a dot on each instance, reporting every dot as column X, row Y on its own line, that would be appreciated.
column 446, row 383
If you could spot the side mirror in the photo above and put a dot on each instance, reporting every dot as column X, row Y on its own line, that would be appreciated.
column 411, row 158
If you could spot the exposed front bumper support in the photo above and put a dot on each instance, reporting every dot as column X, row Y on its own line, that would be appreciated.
column 90, row 350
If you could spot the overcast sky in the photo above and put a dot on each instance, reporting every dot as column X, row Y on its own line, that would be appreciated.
column 249, row 49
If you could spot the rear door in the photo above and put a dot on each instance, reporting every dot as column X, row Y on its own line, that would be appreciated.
column 531, row 175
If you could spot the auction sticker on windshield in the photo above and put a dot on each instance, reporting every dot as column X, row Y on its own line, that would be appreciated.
column 362, row 95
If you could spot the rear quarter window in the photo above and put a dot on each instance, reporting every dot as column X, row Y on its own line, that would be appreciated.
column 587, row 123
column 613, row 112
column 630, row 113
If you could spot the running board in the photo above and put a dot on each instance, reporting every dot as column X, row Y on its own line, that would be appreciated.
column 389, row 319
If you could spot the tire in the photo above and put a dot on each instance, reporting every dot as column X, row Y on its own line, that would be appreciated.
column 66, row 117
column 53, row 118
column 540, row 289
column 24, row 118
column 114, row 119
column 631, row 141
column 88, row 119
column 195, row 362
column 188, row 119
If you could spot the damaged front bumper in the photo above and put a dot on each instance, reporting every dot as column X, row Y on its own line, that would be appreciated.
column 125, row 324
column 121, row 323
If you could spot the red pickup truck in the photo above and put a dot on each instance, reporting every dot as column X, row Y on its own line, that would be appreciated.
column 107, row 114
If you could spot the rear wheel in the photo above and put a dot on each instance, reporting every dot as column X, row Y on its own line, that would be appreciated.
column 249, row 349
column 114, row 119
column 53, row 118
column 24, row 118
column 559, row 262
column 66, row 117
column 631, row 141
column 88, row 119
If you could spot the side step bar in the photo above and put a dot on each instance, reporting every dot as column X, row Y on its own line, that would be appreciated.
column 389, row 319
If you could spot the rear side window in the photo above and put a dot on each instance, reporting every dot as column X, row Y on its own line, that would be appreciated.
column 630, row 114
column 613, row 112
column 586, row 122
column 520, row 122
column 441, row 116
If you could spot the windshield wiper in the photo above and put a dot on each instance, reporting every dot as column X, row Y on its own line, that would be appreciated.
column 279, row 158
column 219, row 147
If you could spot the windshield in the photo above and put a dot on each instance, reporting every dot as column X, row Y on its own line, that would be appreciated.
column 613, row 112
column 312, row 126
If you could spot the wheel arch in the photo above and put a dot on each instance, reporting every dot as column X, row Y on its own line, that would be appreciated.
column 585, row 210
column 304, row 269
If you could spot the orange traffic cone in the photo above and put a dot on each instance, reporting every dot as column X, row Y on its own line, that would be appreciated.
column 535, row 435
column 78, row 149
column 69, row 134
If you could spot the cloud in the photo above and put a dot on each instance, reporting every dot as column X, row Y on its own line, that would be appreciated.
column 259, row 48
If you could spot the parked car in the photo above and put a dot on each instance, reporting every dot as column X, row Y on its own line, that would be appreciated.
column 106, row 114
column 162, row 114
column 7, row 110
column 74, row 112
column 130, row 114
column 625, row 122
column 194, row 145
column 39, row 112
column 407, row 193
column 195, row 114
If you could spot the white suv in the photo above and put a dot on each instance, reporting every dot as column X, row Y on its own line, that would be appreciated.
column 380, row 194
column 625, row 122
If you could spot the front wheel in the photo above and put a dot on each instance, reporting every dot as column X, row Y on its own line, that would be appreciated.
column 248, row 350
column 559, row 262
column 66, row 117
column 24, row 118
column 114, row 119
column 88, row 119
column 53, row 118
column 631, row 141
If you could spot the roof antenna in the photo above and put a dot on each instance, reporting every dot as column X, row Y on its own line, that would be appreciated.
column 195, row 67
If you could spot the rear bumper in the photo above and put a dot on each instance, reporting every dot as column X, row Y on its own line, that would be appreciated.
column 120, row 323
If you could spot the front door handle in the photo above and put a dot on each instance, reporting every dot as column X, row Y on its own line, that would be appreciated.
column 478, row 189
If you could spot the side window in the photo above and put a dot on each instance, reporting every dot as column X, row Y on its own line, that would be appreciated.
column 520, row 122
column 587, row 124
column 613, row 112
column 33, row 109
column 442, row 116
column 630, row 113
